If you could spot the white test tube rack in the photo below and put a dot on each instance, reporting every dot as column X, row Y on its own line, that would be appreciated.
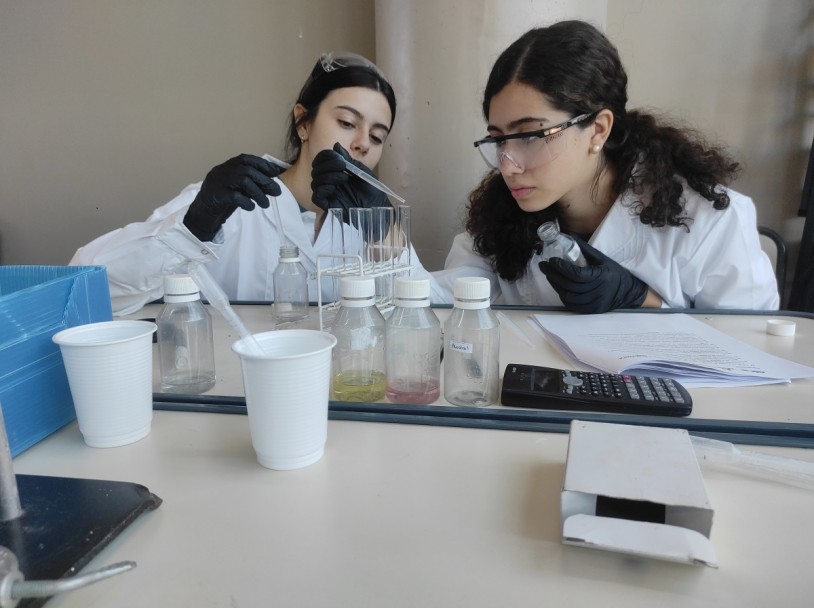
column 355, row 267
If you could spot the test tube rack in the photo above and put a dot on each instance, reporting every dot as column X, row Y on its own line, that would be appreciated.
column 356, row 267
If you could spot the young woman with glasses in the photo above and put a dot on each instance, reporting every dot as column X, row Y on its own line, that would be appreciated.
column 647, row 202
column 344, row 111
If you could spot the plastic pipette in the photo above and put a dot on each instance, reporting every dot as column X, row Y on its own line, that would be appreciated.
column 278, row 162
column 217, row 298
column 354, row 170
column 724, row 455
column 284, row 242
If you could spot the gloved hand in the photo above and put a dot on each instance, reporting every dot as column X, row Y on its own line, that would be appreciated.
column 601, row 286
column 333, row 187
column 241, row 182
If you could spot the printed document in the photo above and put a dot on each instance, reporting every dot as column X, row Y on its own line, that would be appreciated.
column 671, row 345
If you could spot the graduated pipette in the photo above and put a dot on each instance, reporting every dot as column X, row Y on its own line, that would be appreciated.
column 218, row 300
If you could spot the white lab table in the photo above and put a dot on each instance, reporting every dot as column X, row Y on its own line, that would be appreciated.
column 403, row 515
column 782, row 403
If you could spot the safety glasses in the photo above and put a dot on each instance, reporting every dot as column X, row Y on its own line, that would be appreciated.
column 336, row 60
column 527, row 150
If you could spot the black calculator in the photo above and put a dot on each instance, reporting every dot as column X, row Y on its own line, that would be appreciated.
column 560, row 389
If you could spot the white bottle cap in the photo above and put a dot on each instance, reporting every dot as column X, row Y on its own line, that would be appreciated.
column 780, row 327
column 412, row 289
column 357, row 287
column 179, row 285
column 412, row 292
column 180, row 288
column 472, row 292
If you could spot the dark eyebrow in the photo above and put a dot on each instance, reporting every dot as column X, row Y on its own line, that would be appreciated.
column 360, row 116
column 520, row 122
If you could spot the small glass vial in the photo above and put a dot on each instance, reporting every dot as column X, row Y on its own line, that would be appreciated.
column 290, row 286
column 185, row 345
column 413, row 345
column 471, row 346
column 559, row 245
column 358, row 359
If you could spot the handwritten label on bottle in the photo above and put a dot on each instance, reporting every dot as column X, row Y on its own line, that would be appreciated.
column 465, row 348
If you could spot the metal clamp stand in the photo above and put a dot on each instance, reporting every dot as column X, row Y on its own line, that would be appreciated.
column 13, row 588
column 49, row 533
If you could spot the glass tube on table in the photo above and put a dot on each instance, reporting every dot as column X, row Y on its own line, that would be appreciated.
column 358, row 240
column 337, row 230
column 383, row 250
column 403, row 242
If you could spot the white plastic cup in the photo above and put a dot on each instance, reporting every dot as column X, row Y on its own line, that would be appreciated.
column 110, row 372
column 287, row 389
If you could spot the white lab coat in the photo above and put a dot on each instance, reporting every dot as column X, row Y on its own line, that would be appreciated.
column 241, row 258
column 717, row 264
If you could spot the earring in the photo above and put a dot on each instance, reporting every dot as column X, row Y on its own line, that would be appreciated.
column 596, row 148
column 303, row 138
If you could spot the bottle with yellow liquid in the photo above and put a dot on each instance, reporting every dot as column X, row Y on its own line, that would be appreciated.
column 358, row 363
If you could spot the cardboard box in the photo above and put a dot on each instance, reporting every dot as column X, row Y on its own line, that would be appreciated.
column 636, row 490
column 35, row 303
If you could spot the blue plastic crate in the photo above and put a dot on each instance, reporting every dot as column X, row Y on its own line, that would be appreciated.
column 35, row 303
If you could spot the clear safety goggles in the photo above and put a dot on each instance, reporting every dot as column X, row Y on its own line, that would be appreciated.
column 336, row 60
column 527, row 150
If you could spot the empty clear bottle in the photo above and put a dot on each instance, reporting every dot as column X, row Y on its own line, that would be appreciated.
column 358, row 359
column 413, row 345
column 185, row 345
column 559, row 245
column 290, row 286
column 471, row 346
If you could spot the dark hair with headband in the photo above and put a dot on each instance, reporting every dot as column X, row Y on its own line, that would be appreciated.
column 578, row 71
column 335, row 71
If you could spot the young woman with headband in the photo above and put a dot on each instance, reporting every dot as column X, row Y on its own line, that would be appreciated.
column 344, row 111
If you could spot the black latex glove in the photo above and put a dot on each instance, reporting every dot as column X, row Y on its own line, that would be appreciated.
column 601, row 286
column 241, row 182
column 333, row 188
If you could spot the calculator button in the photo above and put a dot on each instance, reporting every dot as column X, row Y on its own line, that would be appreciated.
column 631, row 389
column 645, row 388
column 673, row 390
column 571, row 382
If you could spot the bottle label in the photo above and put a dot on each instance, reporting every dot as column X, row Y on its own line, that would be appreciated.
column 465, row 348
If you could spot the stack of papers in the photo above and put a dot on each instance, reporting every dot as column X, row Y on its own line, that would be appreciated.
column 669, row 345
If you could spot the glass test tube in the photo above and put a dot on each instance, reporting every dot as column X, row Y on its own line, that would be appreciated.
column 337, row 228
column 403, row 236
column 383, row 250
column 358, row 240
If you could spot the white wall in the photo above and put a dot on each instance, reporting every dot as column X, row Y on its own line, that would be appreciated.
column 108, row 108
column 735, row 69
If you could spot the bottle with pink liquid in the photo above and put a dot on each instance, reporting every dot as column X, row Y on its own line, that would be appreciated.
column 413, row 345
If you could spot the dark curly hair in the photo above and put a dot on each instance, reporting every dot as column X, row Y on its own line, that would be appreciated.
column 579, row 71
